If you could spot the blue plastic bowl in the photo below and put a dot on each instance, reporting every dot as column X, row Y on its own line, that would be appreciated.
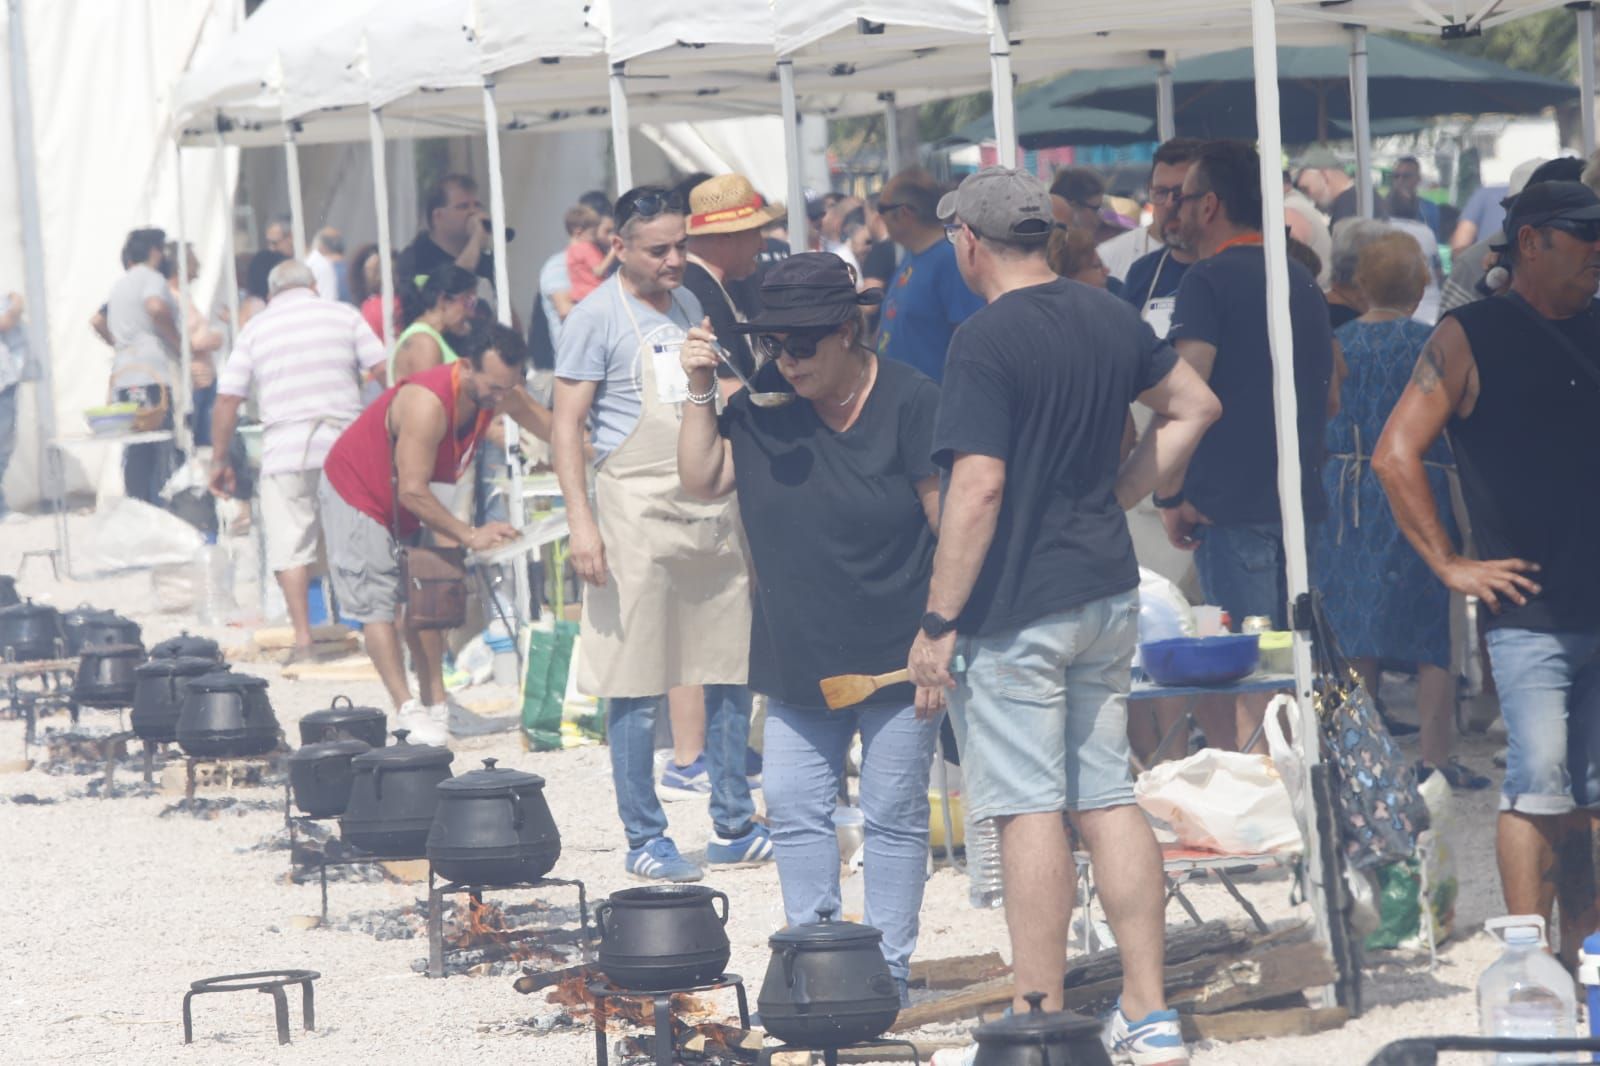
column 1200, row 660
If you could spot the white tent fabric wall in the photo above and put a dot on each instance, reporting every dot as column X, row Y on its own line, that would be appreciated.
column 101, row 117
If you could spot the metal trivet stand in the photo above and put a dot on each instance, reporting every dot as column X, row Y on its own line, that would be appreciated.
column 830, row 1055
column 269, row 981
column 321, row 860
column 268, row 762
column 439, row 889
column 666, row 1049
column 56, row 677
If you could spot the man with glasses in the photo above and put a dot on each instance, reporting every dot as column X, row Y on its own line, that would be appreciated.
column 1171, row 163
column 667, row 598
column 1405, row 199
column 926, row 300
column 1515, row 379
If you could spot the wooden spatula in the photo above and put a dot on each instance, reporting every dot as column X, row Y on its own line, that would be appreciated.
column 847, row 690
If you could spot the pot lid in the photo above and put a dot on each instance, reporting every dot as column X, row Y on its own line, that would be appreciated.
column 185, row 645
column 334, row 714
column 28, row 609
column 1038, row 1026
column 825, row 932
column 113, row 651
column 226, row 681
column 328, row 749
column 186, row 666
column 402, row 754
column 492, row 780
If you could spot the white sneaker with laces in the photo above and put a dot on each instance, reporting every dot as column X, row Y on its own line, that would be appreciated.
column 425, row 725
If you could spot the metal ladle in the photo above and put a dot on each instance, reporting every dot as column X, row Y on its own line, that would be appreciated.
column 760, row 399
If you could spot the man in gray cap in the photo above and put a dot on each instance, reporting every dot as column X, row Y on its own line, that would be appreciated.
column 1033, row 603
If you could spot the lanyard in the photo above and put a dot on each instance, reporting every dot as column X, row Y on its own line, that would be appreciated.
column 1150, row 293
column 1240, row 241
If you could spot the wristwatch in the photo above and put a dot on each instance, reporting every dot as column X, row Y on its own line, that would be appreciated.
column 936, row 625
column 1167, row 503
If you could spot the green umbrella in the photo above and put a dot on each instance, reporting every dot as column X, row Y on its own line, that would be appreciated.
column 1040, row 124
column 1214, row 95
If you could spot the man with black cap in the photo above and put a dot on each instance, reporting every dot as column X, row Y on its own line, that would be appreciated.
column 1515, row 379
column 1033, row 603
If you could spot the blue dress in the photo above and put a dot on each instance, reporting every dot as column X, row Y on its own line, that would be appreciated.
column 1382, row 599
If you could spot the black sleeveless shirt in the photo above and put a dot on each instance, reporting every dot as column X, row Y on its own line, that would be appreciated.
column 1529, row 458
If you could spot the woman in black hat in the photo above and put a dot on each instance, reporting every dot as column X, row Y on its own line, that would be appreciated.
column 839, row 498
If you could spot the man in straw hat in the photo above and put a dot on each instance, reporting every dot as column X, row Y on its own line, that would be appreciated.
column 667, row 598
column 726, row 217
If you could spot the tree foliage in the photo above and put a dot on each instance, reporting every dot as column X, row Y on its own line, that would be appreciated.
column 1546, row 43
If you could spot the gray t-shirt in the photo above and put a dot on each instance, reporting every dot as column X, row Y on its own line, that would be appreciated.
column 141, row 354
column 598, row 343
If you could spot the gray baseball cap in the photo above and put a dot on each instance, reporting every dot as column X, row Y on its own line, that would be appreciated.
column 1001, row 204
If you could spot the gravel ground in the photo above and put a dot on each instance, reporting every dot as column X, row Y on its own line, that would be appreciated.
column 112, row 909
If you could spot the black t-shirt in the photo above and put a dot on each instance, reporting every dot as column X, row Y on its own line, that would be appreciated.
column 422, row 256
column 1042, row 378
column 1345, row 205
column 840, row 543
column 1339, row 314
column 1152, row 277
column 880, row 262
column 746, row 292
column 698, row 280
column 1529, row 466
column 1233, row 477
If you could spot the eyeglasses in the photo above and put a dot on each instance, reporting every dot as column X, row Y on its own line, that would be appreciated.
column 1586, row 230
column 1160, row 194
column 647, row 203
column 801, row 344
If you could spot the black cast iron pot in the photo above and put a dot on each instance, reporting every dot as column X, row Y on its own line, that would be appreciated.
column 8, row 591
column 349, row 722
column 227, row 715
column 86, row 626
column 106, row 675
column 827, row 985
column 493, row 827
column 320, row 776
column 187, row 646
column 663, row 936
column 30, row 631
column 1041, row 1038
column 393, row 794
column 158, row 691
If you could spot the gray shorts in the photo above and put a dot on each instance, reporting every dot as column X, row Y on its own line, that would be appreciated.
column 362, row 560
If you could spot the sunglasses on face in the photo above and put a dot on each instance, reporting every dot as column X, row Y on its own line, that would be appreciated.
column 1587, row 231
column 801, row 344
column 646, row 205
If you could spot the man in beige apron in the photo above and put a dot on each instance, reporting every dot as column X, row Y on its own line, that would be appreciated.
column 667, row 598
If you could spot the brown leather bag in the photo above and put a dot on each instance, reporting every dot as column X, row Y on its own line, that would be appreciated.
column 433, row 584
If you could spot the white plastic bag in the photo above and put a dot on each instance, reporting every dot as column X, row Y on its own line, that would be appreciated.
column 130, row 534
column 1285, row 756
column 1164, row 613
column 1224, row 801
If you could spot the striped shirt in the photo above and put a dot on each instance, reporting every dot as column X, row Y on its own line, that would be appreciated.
column 305, row 357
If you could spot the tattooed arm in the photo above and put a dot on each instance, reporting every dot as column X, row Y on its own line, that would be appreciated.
column 1444, row 384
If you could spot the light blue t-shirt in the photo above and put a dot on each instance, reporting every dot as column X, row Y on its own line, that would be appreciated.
column 598, row 343
column 925, row 302
column 553, row 278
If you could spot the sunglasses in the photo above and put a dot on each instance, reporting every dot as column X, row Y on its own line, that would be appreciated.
column 801, row 344
column 647, row 204
column 1587, row 230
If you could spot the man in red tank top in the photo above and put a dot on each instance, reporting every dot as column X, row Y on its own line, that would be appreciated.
column 375, row 492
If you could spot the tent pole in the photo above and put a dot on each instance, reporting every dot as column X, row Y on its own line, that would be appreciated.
column 291, row 165
column 380, row 203
column 798, row 238
column 1361, row 121
column 1000, row 87
column 1586, row 80
column 891, row 134
column 1264, row 48
column 185, row 432
column 1166, row 110
column 230, row 268
column 52, row 486
column 620, row 148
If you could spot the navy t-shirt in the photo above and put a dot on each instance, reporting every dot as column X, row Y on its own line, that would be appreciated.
column 1152, row 277
column 1233, row 477
column 922, row 307
column 1042, row 378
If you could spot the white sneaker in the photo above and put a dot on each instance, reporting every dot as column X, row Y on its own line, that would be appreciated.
column 425, row 725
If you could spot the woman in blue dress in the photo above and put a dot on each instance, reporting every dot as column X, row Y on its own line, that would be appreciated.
column 1382, row 600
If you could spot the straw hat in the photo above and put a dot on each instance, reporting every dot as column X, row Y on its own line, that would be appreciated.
column 727, row 203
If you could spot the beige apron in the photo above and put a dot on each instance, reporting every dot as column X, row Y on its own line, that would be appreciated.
column 675, row 608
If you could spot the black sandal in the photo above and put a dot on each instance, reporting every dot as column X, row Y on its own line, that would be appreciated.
column 1457, row 773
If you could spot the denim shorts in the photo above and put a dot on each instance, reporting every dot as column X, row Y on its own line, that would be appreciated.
column 1041, row 713
column 1242, row 570
column 1549, row 685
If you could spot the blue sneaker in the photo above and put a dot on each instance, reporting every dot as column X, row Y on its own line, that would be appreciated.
column 691, row 778
column 751, row 849
column 658, row 860
column 1154, row 1040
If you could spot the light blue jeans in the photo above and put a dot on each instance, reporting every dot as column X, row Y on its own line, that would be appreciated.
column 1549, row 685
column 631, row 733
column 803, row 765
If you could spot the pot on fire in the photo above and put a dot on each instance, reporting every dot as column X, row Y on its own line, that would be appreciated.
column 86, row 627
column 393, row 795
column 106, row 675
column 158, row 690
column 1041, row 1038
column 827, row 984
column 493, row 827
column 227, row 715
column 347, row 722
column 320, row 776
column 663, row 936
column 30, row 631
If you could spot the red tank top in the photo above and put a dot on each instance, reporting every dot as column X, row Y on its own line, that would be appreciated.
column 360, row 466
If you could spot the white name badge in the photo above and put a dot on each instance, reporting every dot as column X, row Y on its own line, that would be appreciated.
column 1157, row 314
column 672, row 384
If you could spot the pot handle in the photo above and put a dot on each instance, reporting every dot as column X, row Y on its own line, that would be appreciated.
column 723, row 896
column 516, row 811
column 377, row 783
column 601, row 909
column 348, row 702
column 788, row 966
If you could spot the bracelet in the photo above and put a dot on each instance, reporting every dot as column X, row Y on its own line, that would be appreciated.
column 1167, row 503
column 702, row 399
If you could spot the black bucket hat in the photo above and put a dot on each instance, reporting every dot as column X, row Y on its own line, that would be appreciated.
column 812, row 290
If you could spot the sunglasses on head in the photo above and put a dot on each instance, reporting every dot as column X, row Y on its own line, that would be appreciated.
column 800, row 343
column 1586, row 230
column 647, row 204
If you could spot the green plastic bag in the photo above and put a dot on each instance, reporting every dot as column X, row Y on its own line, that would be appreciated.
column 544, row 684
column 1399, row 909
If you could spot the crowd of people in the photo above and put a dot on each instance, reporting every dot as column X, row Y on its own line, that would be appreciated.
column 946, row 437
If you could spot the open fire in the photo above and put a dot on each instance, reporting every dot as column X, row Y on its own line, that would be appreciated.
column 701, row 1033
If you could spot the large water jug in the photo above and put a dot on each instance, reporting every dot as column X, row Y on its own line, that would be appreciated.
column 1526, row 994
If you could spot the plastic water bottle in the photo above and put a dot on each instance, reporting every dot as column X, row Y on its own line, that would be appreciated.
column 1526, row 994
column 986, row 886
column 1589, row 974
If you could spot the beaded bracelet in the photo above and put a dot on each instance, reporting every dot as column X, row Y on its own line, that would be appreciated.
column 702, row 399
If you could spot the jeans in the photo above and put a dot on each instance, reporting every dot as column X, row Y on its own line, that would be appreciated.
column 146, row 467
column 803, row 764
column 1549, row 685
column 631, row 733
column 8, row 438
column 1242, row 571
column 200, row 422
